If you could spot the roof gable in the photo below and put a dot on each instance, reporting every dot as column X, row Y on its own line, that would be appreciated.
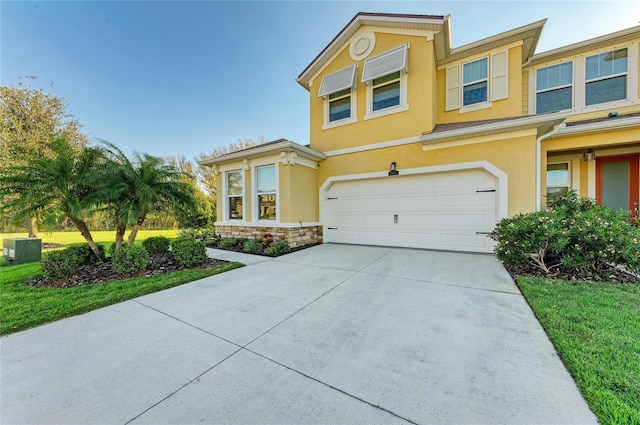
column 384, row 20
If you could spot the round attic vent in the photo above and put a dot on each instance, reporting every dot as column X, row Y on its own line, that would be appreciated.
column 362, row 45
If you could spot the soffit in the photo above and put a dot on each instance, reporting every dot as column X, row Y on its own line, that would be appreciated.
column 585, row 46
column 528, row 34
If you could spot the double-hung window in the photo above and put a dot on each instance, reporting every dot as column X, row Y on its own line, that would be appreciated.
column 606, row 77
column 386, row 91
column 234, row 195
column 337, row 89
column 554, row 88
column 266, row 189
column 475, row 82
column 385, row 76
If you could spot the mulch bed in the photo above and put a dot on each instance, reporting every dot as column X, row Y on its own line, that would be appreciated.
column 101, row 272
column 260, row 252
column 610, row 274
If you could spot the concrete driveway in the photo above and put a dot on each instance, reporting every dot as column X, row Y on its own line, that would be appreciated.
column 333, row 334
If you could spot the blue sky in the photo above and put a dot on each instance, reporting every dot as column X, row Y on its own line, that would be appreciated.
column 177, row 77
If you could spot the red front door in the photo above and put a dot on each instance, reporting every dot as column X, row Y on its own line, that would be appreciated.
column 618, row 183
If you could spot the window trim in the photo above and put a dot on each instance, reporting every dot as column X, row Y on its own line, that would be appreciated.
column 562, row 86
column 606, row 77
column 257, row 194
column 227, row 196
column 568, row 186
column 579, row 80
column 401, row 107
column 353, row 117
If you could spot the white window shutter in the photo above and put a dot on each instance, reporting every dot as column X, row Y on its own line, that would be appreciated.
column 389, row 62
column 499, row 76
column 453, row 88
column 339, row 80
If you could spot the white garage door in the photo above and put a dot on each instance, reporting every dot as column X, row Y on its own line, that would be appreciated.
column 450, row 211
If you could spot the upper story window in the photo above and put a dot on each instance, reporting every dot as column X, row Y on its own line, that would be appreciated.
column 337, row 89
column 554, row 88
column 266, row 189
column 385, row 76
column 340, row 105
column 386, row 91
column 474, row 85
column 234, row 195
column 474, row 82
column 606, row 77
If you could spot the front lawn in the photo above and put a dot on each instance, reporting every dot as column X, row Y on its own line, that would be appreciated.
column 23, row 306
column 595, row 327
column 101, row 236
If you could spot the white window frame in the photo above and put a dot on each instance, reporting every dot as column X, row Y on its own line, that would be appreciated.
column 368, row 77
column 579, row 80
column 562, row 86
column 477, row 105
column 353, row 117
column 255, row 214
column 227, row 196
column 568, row 186
column 256, row 195
column 606, row 77
column 401, row 107
column 327, row 112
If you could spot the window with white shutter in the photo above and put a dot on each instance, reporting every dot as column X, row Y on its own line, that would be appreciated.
column 387, row 63
column 339, row 101
column 386, row 80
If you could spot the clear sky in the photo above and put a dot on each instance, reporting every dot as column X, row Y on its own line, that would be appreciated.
column 178, row 77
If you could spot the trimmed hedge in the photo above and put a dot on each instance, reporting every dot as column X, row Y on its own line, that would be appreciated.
column 61, row 264
column 188, row 252
column 129, row 259
column 156, row 244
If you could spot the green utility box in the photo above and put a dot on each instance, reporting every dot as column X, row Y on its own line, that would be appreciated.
column 22, row 250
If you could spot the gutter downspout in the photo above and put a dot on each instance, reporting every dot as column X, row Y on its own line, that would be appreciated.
column 539, row 140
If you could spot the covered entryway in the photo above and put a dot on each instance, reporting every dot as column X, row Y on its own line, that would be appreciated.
column 451, row 210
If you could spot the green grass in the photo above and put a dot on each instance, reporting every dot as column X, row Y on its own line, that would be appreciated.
column 23, row 307
column 66, row 238
column 595, row 327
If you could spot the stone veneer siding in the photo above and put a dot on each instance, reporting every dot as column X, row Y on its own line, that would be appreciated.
column 296, row 236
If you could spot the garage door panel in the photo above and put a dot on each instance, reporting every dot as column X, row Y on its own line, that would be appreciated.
column 438, row 211
column 378, row 203
column 377, row 219
column 451, row 241
column 345, row 220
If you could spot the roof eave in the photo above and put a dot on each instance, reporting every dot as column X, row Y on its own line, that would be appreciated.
column 544, row 122
column 256, row 152
column 620, row 123
column 584, row 45
column 353, row 25
column 529, row 33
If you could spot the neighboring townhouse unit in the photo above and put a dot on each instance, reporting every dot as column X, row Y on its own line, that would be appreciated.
column 416, row 143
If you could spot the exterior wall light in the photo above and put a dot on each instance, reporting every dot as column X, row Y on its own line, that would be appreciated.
column 392, row 169
column 589, row 155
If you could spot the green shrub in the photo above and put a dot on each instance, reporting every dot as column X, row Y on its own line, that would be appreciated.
column 202, row 234
column 278, row 248
column 112, row 247
column 188, row 252
column 227, row 243
column 252, row 246
column 129, row 259
column 574, row 232
column 61, row 264
column 156, row 244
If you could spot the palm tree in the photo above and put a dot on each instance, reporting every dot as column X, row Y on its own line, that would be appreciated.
column 65, row 180
column 137, row 187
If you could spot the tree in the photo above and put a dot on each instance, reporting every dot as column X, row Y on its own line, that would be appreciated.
column 204, row 210
column 205, row 175
column 29, row 121
column 66, row 180
column 134, row 188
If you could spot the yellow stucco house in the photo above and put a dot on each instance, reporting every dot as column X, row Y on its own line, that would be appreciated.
column 416, row 143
